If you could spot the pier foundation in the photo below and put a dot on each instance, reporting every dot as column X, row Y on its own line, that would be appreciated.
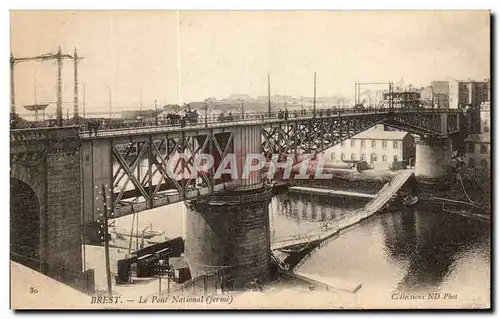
column 230, row 234
column 433, row 160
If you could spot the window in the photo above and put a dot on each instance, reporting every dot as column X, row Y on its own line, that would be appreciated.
column 374, row 157
column 374, row 144
column 332, row 156
column 384, row 144
column 395, row 144
column 395, row 158
column 342, row 156
column 484, row 149
column 342, row 143
column 362, row 157
column 353, row 143
column 353, row 157
column 384, row 158
column 362, row 144
column 486, row 122
column 486, row 129
column 484, row 163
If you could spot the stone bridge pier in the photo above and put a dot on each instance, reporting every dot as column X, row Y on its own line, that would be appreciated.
column 45, row 208
column 433, row 154
column 229, row 232
column 433, row 159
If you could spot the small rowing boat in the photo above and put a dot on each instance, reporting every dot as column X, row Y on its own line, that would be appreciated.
column 410, row 200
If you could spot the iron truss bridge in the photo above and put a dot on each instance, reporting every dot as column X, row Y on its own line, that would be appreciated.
column 148, row 167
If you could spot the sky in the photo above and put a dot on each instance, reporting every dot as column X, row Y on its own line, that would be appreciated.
column 177, row 57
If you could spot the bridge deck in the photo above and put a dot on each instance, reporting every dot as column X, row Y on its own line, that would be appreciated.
column 104, row 133
column 376, row 204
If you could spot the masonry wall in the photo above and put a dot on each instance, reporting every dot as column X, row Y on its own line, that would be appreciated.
column 63, row 216
column 231, row 238
column 433, row 159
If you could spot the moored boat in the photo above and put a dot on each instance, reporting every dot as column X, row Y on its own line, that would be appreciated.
column 410, row 200
column 147, row 234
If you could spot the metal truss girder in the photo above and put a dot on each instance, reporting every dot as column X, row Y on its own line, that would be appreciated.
column 314, row 134
column 129, row 172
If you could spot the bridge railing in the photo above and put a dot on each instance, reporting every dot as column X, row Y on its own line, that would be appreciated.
column 27, row 135
column 42, row 133
column 215, row 120
column 237, row 118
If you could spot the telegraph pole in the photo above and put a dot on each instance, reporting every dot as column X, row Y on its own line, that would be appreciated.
column 242, row 112
column 83, row 102
column 140, row 113
column 156, row 112
column 34, row 89
column 75, row 87
column 268, row 95
column 207, row 102
column 105, row 237
column 314, row 98
column 12, row 90
column 432, row 97
column 110, row 103
column 355, row 93
column 59, row 86
column 390, row 94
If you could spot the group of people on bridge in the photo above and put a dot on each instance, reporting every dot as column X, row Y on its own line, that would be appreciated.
column 228, row 117
column 284, row 114
column 93, row 126
column 190, row 117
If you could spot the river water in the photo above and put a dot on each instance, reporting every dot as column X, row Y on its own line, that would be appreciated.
column 416, row 251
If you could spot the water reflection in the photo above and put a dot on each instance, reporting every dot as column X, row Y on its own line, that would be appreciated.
column 314, row 208
column 431, row 243
column 407, row 250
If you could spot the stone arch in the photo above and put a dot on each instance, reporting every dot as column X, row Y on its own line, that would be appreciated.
column 26, row 217
column 23, row 174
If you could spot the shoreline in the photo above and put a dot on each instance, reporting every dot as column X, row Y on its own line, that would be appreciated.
column 372, row 182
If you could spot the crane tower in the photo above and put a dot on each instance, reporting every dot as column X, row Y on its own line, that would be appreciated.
column 59, row 57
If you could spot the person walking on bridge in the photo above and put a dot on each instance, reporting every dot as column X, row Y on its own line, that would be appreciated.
column 89, row 127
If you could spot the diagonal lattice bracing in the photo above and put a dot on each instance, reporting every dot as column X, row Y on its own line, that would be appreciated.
column 313, row 135
column 141, row 167
column 150, row 169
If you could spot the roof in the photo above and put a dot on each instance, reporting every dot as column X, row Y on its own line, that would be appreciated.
column 479, row 138
column 380, row 135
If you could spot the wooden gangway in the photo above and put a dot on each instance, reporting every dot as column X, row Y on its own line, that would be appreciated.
column 303, row 239
column 320, row 238
column 323, row 191
column 376, row 204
